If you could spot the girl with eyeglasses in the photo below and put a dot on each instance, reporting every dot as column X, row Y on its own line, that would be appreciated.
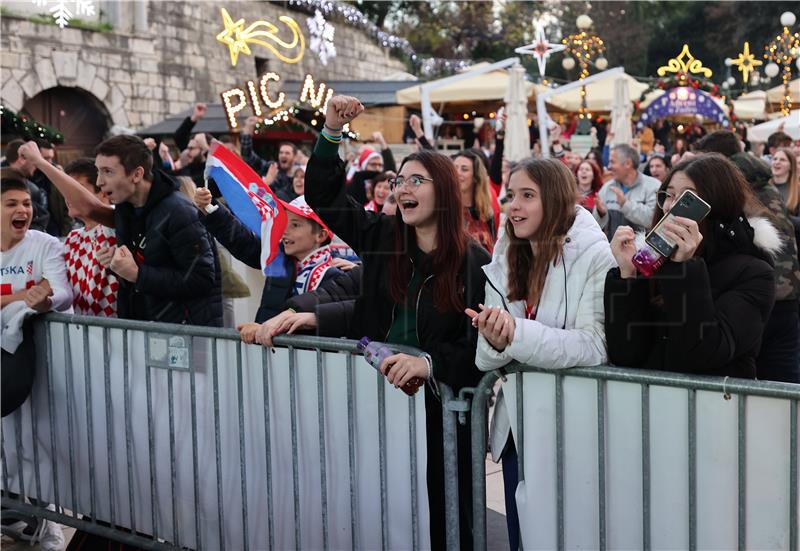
column 420, row 271
column 705, row 310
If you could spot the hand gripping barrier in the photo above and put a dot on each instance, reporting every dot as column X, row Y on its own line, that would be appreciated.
column 169, row 436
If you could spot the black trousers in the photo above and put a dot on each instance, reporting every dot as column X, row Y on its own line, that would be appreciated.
column 17, row 372
column 779, row 358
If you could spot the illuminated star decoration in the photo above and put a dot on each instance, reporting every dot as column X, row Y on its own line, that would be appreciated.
column 746, row 62
column 540, row 48
column 238, row 38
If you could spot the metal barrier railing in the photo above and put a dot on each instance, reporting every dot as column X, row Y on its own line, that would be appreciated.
column 169, row 436
column 717, row 459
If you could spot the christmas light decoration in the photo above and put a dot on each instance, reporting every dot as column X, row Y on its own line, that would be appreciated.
column 14, row 124
column 236, row 99
column 540, row 48
column 62, row 14
column 684, row 65
column 265, row 91
column 321, row 41
column 238, row 38
column 353, row 17
column 230, row 109
column 746, row 62
column 584, row 46
column 315, row 98
column 781, row 51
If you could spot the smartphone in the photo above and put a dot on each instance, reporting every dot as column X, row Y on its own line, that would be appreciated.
column 688, row 205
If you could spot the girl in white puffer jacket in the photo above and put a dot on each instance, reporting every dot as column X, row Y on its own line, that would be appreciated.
column 544, row 295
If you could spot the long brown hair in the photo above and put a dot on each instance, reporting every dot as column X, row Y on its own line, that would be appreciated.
column 451, row 239
column 481, row 194
column 558, row 189
column 793, row 200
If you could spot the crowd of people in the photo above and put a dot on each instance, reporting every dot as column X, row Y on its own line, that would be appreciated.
column 475, row 261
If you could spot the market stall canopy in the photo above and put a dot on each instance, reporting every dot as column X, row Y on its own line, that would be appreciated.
column 682, row 101
column 791, row 125
column 599, row 94
column 488, row 86
column 751, row 106
column 775, row 95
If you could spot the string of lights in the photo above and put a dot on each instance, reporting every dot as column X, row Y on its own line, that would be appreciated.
column 354, row 17
column 781, row 51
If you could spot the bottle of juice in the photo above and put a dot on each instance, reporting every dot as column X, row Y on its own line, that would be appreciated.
column 376, row 352
column 648, row 260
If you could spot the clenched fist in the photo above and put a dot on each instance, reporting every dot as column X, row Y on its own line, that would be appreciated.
column 341, row 110
column 38, row 297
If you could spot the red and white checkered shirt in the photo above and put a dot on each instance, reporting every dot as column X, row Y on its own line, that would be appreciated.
column 94, row 288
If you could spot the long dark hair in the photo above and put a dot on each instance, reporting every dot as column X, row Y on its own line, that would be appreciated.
column 451, row 239
column 720, row 184
column 558, row 188
column 481, row 192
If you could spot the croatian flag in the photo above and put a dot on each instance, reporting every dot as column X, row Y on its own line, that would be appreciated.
column 249, row 199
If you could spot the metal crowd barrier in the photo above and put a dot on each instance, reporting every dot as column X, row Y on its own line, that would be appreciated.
column 615, row 458
column 168, row 436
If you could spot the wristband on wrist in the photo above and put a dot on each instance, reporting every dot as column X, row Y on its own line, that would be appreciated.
column 332, row 129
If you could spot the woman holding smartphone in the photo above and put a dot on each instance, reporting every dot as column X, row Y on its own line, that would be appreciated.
column 420, row 270
column 705, row 310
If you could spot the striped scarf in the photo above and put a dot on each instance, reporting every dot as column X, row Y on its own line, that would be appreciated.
column 311, row 270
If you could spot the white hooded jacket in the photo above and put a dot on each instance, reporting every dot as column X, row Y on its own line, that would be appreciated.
column 569, row 327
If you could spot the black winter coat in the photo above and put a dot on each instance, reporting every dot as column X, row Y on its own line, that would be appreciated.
column 449, row 337
column 706, row 315
column 333, row 302
column 179, row 277
column 245, row 246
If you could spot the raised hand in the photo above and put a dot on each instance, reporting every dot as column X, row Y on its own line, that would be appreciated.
column 341, row 110
column 623, row 247
column 200, row 110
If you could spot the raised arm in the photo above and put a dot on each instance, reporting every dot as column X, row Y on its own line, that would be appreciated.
column 82, row 201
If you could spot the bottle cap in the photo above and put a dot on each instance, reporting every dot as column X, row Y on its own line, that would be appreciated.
column 362, row 343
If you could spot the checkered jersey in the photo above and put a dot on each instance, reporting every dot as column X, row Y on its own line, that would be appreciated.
column 94, row 288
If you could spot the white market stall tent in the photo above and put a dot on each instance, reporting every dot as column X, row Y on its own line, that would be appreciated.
column 751, row 106
column 482, row 87
column 599, row 94
column 775, row 95
column 791, row 125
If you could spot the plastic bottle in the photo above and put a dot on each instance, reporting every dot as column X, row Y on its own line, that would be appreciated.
column 648, row 260
column 376, row 352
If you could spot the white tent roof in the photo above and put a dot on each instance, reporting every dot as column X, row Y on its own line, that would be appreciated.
column 775, row 95
column 791, row 125
column 599, row 94
column 488, row 86
column 751, row 106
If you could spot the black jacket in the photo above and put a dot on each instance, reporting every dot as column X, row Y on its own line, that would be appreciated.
column 245, row 246
column 179, row 278
column 333, row 302
column 448, row 337
column 705, row 316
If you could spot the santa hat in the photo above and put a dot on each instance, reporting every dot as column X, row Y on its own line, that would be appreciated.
column 366, row 156
column 301, row 208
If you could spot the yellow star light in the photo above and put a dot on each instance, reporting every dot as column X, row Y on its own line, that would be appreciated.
column 746, row 62
column 233, row 29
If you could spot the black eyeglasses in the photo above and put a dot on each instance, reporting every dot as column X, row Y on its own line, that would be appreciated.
column 662, row 196
column 415, row 181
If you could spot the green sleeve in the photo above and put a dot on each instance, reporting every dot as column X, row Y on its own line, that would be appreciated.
column 325, row 149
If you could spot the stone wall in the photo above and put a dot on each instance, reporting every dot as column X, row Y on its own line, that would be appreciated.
column 173, row 61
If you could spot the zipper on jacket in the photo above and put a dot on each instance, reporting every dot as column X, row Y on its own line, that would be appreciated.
column 416, row 309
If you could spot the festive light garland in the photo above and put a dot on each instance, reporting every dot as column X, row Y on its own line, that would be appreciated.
column 13, row 124
column 583, row 47
column 782, row 51
column 354, row 17
column 316, row 121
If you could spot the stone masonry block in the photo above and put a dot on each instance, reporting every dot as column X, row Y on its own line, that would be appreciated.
column 65, row 64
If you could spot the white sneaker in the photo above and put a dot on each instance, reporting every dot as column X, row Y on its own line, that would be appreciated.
column 51, row 536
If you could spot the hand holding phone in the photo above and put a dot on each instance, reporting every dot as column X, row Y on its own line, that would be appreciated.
column 678, row 227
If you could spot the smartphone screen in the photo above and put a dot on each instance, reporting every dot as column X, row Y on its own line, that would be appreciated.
column 688, row 205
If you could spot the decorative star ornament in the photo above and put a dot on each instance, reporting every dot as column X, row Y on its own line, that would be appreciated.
column 746, row 62
column 238, row 38
column 540, row 48
column 232, row 36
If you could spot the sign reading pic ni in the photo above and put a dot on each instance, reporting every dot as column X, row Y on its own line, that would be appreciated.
column 236, row 99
